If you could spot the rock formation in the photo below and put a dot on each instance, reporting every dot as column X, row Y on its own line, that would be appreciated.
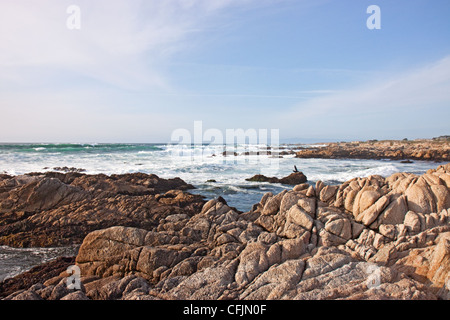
column 56, row 209
column 395, row 150
column 368, row 238
column 293, row 179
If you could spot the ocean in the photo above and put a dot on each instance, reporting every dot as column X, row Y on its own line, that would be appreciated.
column 204, row 166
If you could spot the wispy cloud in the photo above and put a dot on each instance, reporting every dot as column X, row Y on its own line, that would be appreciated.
column 420, row 88
column 130, row 64
column 122, row 43
column 417, row 94
column 58, row 84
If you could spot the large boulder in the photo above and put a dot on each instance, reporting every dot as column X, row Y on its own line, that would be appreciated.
column 420, row 197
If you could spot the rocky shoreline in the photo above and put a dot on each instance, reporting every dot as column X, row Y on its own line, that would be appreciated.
column 146, row 238
column 57, row 209
column 427, row 150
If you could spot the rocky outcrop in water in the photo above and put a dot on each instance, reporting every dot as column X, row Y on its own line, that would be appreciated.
column 395, row 150
column 368, row 238
column 292, row 179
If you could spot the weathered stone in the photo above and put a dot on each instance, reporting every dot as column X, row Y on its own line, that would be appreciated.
column 150, row 259
column 350, row 199
column 365, row 198
column 293, row 179
column 438, row 271
column 412, row 221
column 309, row 205
column 301, row 187
column 289, row 199
column 275, row 281
column 442, row 196
column 327, row 193
column 56, row 209
column 310, row 192
column 319, row 186
column 394, row 150
column 27, row 295
column 98, row 244
column 209, row 283
column 357, row 228
column 371, row 214
column 76, row 296
column 272, row 205
column 300, row 217
column 252, row 261
column 340, row 227
column 420, row 198
column 394, row 212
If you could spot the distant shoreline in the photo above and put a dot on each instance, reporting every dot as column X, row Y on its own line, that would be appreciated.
column 437, row 149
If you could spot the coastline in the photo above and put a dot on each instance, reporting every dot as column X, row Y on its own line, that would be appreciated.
column 437, row 149
column 149, row 231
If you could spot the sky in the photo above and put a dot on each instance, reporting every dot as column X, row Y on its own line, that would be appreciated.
column 136, row 71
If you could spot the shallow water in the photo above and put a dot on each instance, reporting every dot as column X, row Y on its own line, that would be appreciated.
column 14, row 261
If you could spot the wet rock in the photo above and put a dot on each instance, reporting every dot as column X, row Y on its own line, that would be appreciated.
column 293, row 179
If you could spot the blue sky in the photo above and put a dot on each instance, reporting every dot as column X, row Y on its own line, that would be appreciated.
column 138, row 70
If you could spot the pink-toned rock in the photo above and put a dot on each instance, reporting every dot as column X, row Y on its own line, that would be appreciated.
column 327, row 193
column 438, row 271
column 371, row 213
column 364, row 199
column 420, row 198
column 300, row 217
column 394, row 212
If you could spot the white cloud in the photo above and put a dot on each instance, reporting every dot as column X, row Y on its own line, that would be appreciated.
column 58, row 84
column 415, row 103
column 421, row 88
column 120, row 42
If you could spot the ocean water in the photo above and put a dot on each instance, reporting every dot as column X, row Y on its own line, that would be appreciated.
column 203, row 166
column 14, row 261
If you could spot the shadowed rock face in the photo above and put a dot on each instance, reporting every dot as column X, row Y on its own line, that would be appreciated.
column 368, row 238
column 55, row 209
